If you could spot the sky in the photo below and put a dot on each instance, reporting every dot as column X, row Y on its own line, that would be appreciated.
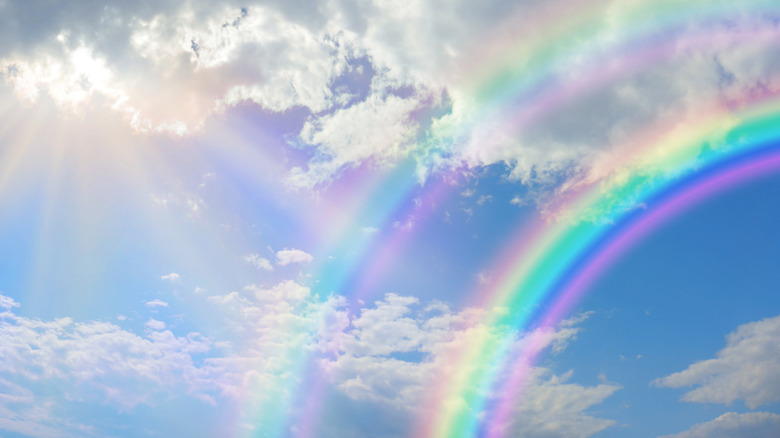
column 545, row 219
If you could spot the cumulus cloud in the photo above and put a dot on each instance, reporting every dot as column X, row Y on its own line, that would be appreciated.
column 731, row 424
column 202, row 54
column 373, row 365
column 363, row 356
column 747, row 369
column 380, row 128
column 126, row 369
column 168, row 67
column 387, row 355
column 155, row 324
column 259, row 262
column 290, row 256
column 286, row 291
column 553, row 407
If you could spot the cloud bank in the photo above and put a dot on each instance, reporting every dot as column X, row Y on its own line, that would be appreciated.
column 386, row 356
column 453, row 86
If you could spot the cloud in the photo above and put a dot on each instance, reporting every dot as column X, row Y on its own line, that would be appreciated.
column 155, row 324
column 267, row 330
column 290, row 256
column 259, row 262
column 100, row 361
column 156, row 303
column 393, row 353
column 171, row 277
column 552, row 407
column 747, row 369
column 200, row 53
column 7, row 303
column 286, row 291
column 21, row 412
column 731, row 424
column 380, row 128
column 483, row 199
column 386, row 355
column 377, row 84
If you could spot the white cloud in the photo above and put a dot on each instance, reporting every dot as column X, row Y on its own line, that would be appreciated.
column 101, row 360
column 155, row 324
column 368, row 368
column 290, row 256
column 380, row 128
column 168, row 67
column 259, row 262
column 731, row 424
column 388, row 355
column 286, row 291
column 7, row 303
column 171, row 277
column 156, row 303
column 202, row 54
column 552, row 407
column 748, row 369
column 268, row 330
column 468, row 193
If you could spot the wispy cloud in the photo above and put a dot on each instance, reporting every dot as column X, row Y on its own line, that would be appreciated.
column 171, row 277
column 732, row 424
column 259, row 262
column 155, row 303
column 748, row 369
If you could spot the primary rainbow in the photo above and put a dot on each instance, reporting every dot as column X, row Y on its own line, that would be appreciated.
column 554, row 263
column 668, row 167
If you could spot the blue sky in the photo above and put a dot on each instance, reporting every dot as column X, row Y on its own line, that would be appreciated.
column 281, row 219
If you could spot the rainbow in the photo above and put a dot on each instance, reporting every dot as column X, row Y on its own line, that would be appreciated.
column 554, row 264
column 668, row 166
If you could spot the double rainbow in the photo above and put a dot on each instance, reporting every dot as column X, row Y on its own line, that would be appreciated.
column 525, row 76
column 667, row 167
